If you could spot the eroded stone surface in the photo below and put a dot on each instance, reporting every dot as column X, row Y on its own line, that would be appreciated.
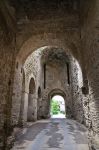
column 68, row 25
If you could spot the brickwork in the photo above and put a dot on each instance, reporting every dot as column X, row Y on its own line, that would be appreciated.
column 69, row 25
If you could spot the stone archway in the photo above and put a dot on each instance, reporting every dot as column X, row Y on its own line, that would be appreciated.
column 30, row 113
column 53, row 93
column 57, row 107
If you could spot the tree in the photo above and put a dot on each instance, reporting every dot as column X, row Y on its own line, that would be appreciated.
column 55, row 107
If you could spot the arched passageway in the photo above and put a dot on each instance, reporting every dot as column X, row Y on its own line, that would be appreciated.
column 70, row 25
column 56, row 72
column 57, row 107
column 61, row 99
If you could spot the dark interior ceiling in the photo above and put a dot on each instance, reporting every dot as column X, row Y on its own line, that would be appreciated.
column 27, row 4
column 44, row 8
column 31, row 8
column 11, row 11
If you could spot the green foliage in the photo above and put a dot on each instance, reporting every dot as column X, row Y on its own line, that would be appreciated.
column 55, row 107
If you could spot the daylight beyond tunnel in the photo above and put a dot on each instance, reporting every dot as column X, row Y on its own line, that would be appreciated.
column 57, row 107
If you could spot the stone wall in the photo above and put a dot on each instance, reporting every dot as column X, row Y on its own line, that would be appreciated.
column 69, row 25
column 56, row 79
column 80, row 99
column 76, row 92
column 90, row 46
column 31, row 69
column 6, row 84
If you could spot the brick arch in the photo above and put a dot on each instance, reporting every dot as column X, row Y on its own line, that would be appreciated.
column 54, row 92
column 57, row 92
column 30, row 81
column 44, row 40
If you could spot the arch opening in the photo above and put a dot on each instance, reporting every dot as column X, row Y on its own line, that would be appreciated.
column 57, row 107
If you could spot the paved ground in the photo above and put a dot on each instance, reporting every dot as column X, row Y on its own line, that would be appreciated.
column 58, row 116
column 53, row 134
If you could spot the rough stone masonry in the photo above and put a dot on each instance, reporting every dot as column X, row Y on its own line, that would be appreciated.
column 48, row 48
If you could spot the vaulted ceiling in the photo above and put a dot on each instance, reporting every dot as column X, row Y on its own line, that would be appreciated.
column 11, row 11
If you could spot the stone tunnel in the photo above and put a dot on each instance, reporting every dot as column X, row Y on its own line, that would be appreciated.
column 48, row 48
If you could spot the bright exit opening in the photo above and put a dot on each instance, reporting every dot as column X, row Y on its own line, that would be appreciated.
column 57, row 109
